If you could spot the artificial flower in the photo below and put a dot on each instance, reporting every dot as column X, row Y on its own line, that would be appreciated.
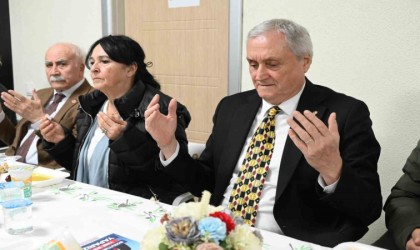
column 212, row 229
column 242, row 238
column 164, row 219
column 208, row 246
column 196, row 210
column 230, row 224
column 153, row 238
column 199, row 225
column 182, row 230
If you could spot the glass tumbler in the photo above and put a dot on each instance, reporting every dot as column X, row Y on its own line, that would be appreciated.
column 17, row 216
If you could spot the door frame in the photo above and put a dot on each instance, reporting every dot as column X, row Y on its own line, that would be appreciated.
column 113, row 23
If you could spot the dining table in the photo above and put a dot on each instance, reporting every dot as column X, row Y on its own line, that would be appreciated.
column 88, row 212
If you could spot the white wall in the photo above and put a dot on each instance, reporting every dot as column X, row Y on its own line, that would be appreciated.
column 369, row 50
column 36, row 25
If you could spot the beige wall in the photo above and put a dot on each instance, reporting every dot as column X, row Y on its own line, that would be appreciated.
column 369, row 50
column 35, row 25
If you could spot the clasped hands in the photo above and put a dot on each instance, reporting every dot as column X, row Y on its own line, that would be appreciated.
column 111, row 125
column 318, row 143
column 30, row 109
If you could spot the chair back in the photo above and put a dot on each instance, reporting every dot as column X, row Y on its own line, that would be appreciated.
column 195, row 149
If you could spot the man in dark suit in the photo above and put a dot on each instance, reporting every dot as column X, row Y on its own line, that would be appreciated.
column 322, row 184
column 64, row 67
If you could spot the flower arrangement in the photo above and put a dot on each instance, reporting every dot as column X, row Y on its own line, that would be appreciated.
column 199, row 225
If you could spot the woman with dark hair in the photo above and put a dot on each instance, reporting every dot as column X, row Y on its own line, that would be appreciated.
column 112, row 148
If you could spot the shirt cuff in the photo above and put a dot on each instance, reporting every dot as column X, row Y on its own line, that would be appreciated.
column 327, row 189
column 35, row 125
column 1, row 115
column 168, row 161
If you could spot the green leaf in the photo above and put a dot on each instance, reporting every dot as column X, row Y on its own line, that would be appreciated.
column 163, row 246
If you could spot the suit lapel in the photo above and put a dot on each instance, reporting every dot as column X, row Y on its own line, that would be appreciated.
column 310, row 100
column 72, row 100
column 45, row 96
column 242, row 120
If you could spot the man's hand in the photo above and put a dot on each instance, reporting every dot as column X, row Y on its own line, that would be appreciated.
column 413, row 242
column 51, row 131
column 162, row 128
column 318, row 143
column 29, row 109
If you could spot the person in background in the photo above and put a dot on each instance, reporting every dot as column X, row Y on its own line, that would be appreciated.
column 112, row 148
column 64, row 67
column 9, row 113
column 290, row 156
column 402, row 208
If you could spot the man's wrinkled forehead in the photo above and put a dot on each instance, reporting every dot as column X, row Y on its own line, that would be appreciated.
column 58, row 61
column 59, row 53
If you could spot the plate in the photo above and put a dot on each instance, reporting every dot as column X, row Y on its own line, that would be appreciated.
column 6, row 160
column 4, row 157
column 42, row 177
column 15, row 169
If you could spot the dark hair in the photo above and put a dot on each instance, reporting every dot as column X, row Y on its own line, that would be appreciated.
column 123, row 49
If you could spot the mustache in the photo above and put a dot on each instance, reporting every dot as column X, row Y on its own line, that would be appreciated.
column 57, row 79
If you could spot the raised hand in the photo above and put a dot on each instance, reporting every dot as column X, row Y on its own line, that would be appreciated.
column 30, row 109
column 318, row 143
column 162, row 127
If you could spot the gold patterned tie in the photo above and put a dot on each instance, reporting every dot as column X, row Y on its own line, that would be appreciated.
column 247, row 190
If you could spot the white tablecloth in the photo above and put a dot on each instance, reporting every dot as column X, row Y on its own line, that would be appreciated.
column 90, row 212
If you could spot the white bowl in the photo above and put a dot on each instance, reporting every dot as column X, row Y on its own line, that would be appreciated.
column 49, row 176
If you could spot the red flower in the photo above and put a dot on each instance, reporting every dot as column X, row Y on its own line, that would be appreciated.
column 164, row 218
column 230, row 224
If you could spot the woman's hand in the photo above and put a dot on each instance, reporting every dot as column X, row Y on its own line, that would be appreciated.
column 162, row 127
column 112, row 126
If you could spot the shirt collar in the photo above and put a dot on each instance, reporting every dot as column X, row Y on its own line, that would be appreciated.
column 287, row 106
